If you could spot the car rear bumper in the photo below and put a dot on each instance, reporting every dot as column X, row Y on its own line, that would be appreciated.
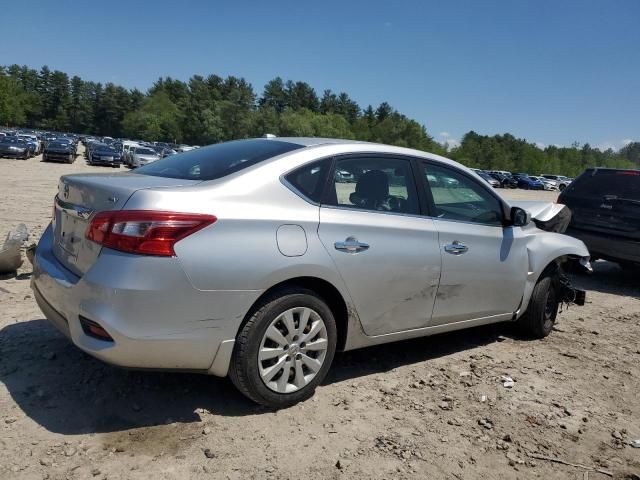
column 147, row 305
column 607, row 246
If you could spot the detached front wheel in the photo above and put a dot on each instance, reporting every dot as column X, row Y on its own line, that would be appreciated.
column 285, row 349
column 538, row 320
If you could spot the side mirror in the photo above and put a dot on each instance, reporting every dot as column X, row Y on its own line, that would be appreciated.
column 520, row 217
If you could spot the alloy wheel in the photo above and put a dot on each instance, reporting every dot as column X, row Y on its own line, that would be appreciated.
column 293, row 350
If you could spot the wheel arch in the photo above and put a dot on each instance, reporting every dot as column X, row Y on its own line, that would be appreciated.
column 325, row 290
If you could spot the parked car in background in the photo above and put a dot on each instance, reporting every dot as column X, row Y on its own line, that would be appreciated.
column 606, row 213
column 343, row 176
column 33, row 141
column 250, row 258
column 143, row 155
column 561, row 180
column 13, row 147
column 524, row 181
column 68, row 141
column 59, row 151
column 103, row 154
column 506, row 180
column 546, row 182
column 489, row 179
column 127, row 151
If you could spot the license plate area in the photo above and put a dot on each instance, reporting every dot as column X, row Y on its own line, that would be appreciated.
column 70, row 231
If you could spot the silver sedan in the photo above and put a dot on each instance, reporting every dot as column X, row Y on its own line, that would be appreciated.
column 260, row 258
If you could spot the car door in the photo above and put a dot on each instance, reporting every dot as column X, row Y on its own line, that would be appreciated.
column 386, row 253
column 484, row 261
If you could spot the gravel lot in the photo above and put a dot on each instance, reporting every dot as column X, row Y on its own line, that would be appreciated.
column 428, row 408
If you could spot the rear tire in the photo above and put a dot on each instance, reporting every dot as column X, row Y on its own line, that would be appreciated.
column 540, row 317
column 263, row 379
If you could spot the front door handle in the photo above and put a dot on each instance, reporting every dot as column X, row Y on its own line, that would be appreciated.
column 456, row 248
column 351, row 245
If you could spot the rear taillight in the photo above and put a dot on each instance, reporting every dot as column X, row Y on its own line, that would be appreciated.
column 145, row 232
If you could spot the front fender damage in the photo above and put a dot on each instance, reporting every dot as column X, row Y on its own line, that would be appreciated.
column 549, row 250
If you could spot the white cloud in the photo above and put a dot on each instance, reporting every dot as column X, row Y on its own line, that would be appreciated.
column 445, row 134
column 541, row 145
column 613, row 145
column 451, row 143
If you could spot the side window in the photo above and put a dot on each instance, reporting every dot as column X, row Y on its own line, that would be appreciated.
column 373, row 183
column 459, row 197
column 310, row 179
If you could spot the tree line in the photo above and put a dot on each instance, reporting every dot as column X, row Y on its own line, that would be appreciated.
column 212, row 109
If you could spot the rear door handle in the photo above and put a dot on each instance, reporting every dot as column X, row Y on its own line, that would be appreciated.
column 351, row 245
column 456, row 248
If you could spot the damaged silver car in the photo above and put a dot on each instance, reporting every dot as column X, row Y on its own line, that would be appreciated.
column 255, row 259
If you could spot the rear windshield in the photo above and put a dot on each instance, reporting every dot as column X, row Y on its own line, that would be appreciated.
column 621, row 183
column 217, row 161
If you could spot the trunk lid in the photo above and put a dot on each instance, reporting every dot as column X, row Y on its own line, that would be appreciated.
column 606, row 201
column 79, row 197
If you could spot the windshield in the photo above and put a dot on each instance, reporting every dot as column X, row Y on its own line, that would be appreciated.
column 217, row 161
column 145, row 151
column 615, row 183
column 105, row 148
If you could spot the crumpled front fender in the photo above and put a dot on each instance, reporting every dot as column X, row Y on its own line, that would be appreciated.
column 544, row 249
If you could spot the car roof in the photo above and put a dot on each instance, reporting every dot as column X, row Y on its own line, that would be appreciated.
column 319, row 142
column 313, row 141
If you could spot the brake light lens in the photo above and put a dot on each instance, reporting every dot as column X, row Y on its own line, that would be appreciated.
column 145, row 232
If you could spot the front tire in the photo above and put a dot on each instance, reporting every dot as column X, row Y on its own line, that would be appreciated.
column 540, row 317
column 284, row 351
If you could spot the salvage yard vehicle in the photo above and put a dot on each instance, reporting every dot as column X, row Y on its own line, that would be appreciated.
column 561, row 181
column 59, row 151
column 142, row 155
column 547, row 183
column 253, row 259
column 13, row 147
column 506, row 180
column 489, row 179
column 606, row 213
column 526, row 182
column 103, row 154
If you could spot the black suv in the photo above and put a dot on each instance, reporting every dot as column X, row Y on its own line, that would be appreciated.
column 605, row 203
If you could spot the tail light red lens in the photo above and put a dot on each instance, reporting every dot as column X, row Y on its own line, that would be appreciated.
column 145, row 232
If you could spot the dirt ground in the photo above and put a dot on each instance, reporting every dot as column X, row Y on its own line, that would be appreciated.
column 427, row 408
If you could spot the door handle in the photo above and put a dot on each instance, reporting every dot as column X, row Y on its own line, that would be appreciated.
column 456, row 248
column 351, row 245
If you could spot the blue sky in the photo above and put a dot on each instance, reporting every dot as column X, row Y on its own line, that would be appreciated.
column 551, row 71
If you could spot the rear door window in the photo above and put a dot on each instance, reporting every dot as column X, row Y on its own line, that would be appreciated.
column 309, row 180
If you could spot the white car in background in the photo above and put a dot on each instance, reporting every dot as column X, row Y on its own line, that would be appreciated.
column 548, row 183
column 562, row 181
column 128, row 148
column 142, row 155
